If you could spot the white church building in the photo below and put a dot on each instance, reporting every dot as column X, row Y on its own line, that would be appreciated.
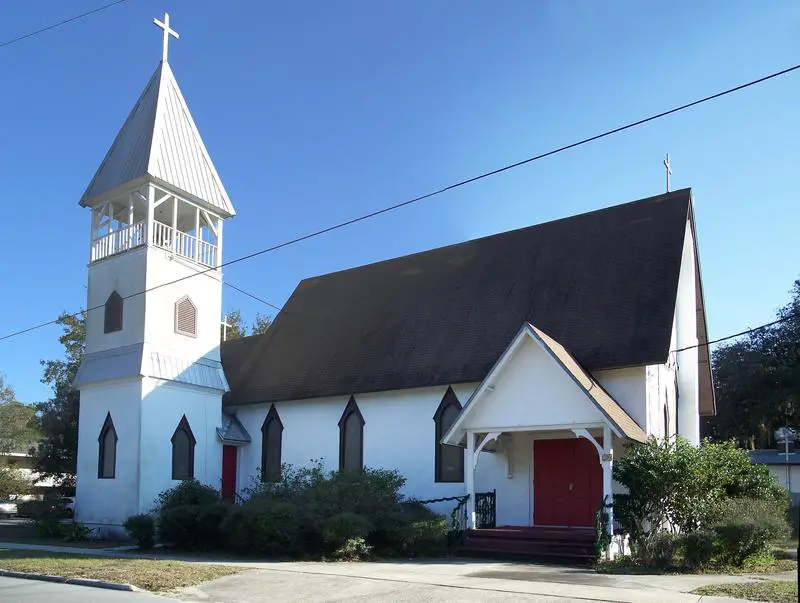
column 519, row 363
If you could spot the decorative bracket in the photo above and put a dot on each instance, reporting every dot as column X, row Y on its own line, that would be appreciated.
column 489, row 437
column 584, row 433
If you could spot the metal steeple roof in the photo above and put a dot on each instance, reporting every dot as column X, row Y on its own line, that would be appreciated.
column 160, row 141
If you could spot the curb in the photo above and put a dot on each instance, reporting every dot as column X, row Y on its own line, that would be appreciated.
column 73, row 581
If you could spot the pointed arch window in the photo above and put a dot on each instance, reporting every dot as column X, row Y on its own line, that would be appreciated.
column 113, row 313
column 186, row 317
column 449, row 459
column 351, row 438
column 271, row 440
column 107, row 452
column 183, row 444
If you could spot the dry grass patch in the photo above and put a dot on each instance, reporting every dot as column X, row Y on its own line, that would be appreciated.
column 763, row 590
column 150, row 574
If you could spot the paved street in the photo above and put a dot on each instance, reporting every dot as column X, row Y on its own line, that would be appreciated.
column 13, row 590
column 260, row 586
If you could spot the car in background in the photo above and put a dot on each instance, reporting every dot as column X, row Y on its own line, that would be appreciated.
column 8, row 509
column 69, row 504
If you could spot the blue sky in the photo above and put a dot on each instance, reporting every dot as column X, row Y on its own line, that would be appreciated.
column 316, row 112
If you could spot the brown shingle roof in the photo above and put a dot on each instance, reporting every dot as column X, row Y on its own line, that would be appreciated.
column 602, row 399
column 602, row 283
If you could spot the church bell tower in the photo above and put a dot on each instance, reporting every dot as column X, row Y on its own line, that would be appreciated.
column 151, row 381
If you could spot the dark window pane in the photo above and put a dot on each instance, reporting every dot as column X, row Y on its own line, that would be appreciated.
column 272, row 449
column 109, row 453
column 449, row 415
column 450, row 458
column 352, row 442
column 181, row 456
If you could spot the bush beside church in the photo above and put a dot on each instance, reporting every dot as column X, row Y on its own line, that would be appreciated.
column 309, row 513
column 697, row 507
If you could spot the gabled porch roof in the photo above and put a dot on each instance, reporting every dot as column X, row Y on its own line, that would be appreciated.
column 599, row 400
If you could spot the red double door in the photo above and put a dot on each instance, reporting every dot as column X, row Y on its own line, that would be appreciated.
column 567, row 483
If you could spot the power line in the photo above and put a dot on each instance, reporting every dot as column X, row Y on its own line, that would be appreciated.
column 438, row 191
column 248, row 294
column 746, row 332
column 59, row 24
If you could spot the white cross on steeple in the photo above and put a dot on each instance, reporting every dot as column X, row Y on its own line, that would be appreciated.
column 225, row 326
column 167, row 33
column 669, row 170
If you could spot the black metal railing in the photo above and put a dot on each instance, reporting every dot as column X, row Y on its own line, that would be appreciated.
column 486, row 509
column 485, row 513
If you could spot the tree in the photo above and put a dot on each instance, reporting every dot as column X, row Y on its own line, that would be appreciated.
column 757, row 381
column 17, row 428
column 235, row 328
column 6, row 393
column 261, row 324
column 57, row 418
column 12, row 482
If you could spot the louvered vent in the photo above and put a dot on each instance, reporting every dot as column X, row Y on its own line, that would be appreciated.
column 185, row 317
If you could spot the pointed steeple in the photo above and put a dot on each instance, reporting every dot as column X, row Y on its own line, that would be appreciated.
column 160, row 142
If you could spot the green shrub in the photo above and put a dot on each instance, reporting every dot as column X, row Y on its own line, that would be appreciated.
column 49, row 527
column 75, row 531
column 747, row 527
column 142, row 529
column 338, row 529
column 697, row 548
column 271, row 528
column 311, row 512
column 677, row 484
column 353, row 549
column 658, row 550
column 189, row 492
column 195, row 527
column 425, row 538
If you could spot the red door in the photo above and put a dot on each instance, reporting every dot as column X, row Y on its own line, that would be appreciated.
column 567, row 482
column 228, row 472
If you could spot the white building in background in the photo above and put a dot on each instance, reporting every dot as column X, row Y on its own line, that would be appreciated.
column 24, row 464
column 520, row 363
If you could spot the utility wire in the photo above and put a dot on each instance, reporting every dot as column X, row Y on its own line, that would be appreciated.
column 746, row 332
column 438, row 191
column 59, row 24
column 250, row 295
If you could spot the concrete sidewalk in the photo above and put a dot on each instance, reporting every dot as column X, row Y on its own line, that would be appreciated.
column 465, row 574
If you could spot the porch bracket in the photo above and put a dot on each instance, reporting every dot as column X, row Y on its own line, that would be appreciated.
column 584, row 433
column 489, row 437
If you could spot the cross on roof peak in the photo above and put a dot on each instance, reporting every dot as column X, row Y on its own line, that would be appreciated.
column 669, row 170
column 167, row 33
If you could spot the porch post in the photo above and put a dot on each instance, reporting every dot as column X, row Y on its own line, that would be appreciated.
column 469, row 477
column 607, row 461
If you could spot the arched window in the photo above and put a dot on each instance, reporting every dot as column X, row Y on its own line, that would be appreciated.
column 271, row 436
column 186, row 317
column 449, row 459
column 113, row 313
column 183, row 443
column 107, row 453
column 351, row 438
column 666, row 422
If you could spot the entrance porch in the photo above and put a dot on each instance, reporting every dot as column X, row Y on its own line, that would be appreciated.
column 541, row 432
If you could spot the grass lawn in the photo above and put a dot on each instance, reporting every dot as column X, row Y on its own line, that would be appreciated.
column 154, row 575
column 763, row 590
